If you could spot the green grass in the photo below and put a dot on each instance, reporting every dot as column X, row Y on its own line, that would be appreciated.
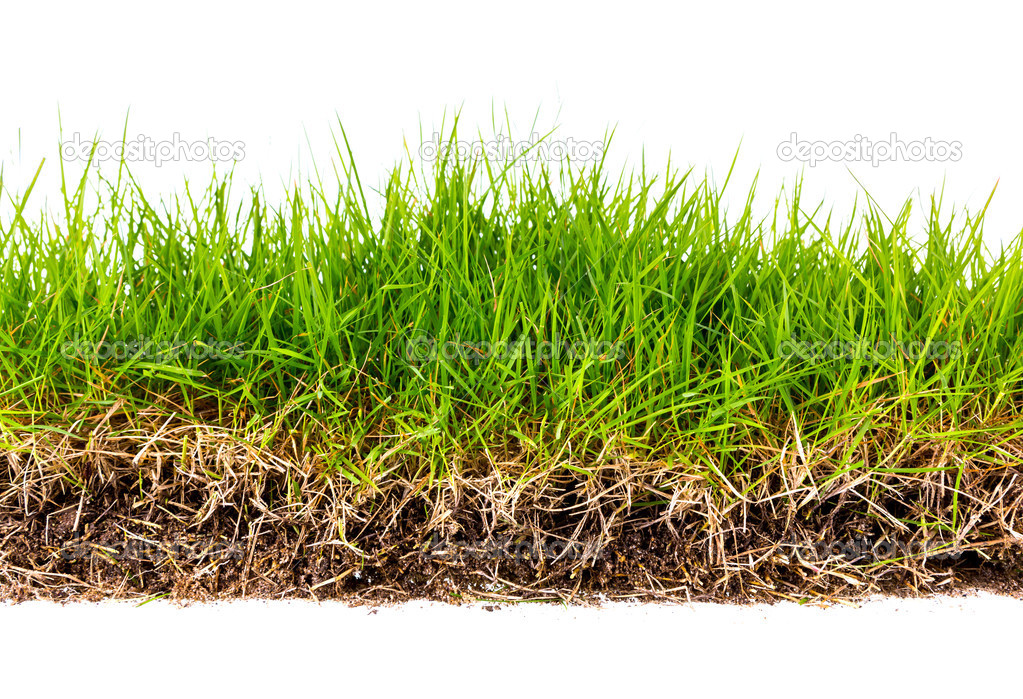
column 683, row 318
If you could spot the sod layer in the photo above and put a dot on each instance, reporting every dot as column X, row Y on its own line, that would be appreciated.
column 537, row 379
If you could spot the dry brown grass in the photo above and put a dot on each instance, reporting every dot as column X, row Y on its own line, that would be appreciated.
column 264, row 515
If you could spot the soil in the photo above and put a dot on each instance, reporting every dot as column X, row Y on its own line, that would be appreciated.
column 90, row 552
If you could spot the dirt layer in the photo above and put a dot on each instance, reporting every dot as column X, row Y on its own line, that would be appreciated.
column 91, row 552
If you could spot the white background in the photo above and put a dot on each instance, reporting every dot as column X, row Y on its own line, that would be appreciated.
column 692, row 79
column 928, row 648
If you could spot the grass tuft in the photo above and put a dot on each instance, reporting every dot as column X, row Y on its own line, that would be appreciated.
column 541, row 351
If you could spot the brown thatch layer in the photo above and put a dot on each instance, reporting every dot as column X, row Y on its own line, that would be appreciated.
column 162, row 505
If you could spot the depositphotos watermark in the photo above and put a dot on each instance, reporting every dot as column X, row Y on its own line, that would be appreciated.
column 506, row 548
column 188, row 549
column 503, row 149
column 861, row 149
column 148, row 349
column 144, row 149
column 866, row 351
column 863, row 549
column 422, row 348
